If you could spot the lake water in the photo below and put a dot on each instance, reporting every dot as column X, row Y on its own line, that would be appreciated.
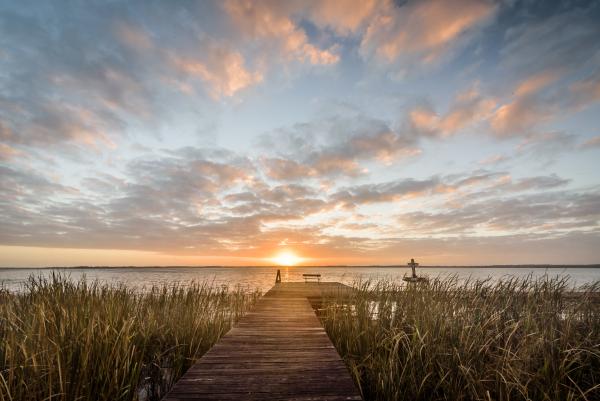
column 264, row 277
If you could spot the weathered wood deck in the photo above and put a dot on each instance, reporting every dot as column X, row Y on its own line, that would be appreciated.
column 278, row 351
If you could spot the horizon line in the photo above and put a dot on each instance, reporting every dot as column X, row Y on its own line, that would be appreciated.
column 537, row 265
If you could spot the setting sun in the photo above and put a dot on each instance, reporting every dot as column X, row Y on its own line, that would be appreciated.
column 286, row 258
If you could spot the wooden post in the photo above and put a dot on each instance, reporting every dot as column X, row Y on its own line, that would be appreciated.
column 414, row 278
column 412, row 264
column 278, row 277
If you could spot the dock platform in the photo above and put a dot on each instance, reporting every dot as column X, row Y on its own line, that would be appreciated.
column 277, row 351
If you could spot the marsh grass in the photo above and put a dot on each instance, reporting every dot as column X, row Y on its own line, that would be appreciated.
column 511, row 340
column 64, row 340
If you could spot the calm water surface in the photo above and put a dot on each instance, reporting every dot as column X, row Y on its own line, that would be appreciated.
column 264, row 277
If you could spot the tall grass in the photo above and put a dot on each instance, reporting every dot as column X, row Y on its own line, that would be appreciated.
column 511, row 340
column 63, row 340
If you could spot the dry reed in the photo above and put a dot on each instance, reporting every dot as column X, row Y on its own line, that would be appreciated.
column 64, row 340
column 510, row 340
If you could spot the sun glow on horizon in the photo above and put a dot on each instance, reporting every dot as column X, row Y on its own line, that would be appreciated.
column 286, row 258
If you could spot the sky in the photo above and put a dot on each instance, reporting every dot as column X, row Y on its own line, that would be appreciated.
column 459, row 132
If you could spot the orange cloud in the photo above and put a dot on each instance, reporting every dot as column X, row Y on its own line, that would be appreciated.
column 5, row 132
column 222, row 69
column 525, row 109
column 593, row 142
column 8, row 152
column 515, row 117
column 424, row 119
column 284, row 169
column 586, row 91
column 90, row 138
column 469, row 108
column 536, row 82
column 530, row 106
column 330, row 163
column 325, row 164
column 133, row 37
column 423, row 28
column 385, row 146
column 271, row 22
column 344, row 16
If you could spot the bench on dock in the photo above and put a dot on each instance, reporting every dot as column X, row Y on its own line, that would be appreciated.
column 312, row 277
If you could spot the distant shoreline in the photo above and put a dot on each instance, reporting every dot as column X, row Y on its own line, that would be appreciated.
column 524, row 266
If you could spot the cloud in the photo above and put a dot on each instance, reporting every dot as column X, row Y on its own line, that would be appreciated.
column 391, row 191
column 468, row 108
column 278, row 203
column 541, row 54
column 528, row 107
column 55, row 122
column 384, row 146
column 585, row 91
column 549, row 214
column 345, row 17
column 7, row 152
column 133, row 36
column 323, row 166
column 535, row 100
column 284, row 169
column 157, row 205
column 482, row 184
column 493, row 159
column 533, row 104
column 543, row 69
column 333, row 147
column 536, row 82
column 88, row 76
column 546, row 42
column 217, row 64
column 593, row 142
column 350, row 197
column 546, row 144
column 271, row 22
column 212, row 201
column 208, row 199
column 422, row 30
column 25, row 184
column 535, row 183
column 221, row 68
column 415, row 33
column 518, row 117
column 65, row 80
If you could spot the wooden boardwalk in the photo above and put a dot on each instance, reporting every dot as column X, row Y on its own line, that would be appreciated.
column 277, row 351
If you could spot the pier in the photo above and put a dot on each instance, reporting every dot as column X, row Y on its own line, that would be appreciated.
column 277, row 351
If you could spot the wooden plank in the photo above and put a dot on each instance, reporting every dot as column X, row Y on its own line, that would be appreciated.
column 277, row 351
